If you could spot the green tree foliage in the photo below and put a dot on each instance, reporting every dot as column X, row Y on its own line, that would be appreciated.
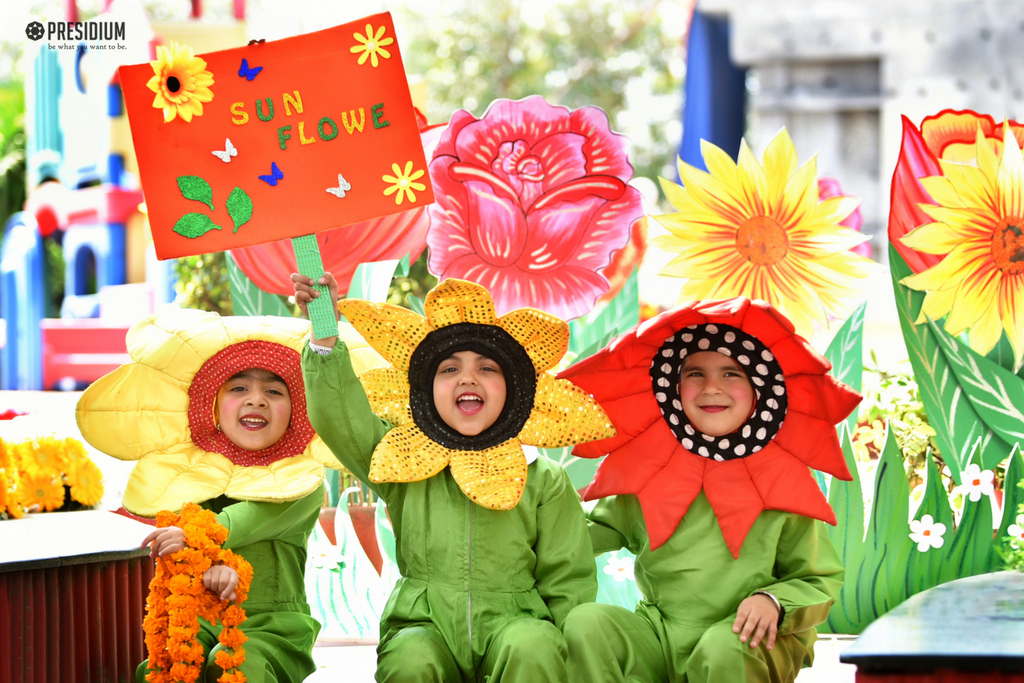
column 610, row 53
column 203, row 282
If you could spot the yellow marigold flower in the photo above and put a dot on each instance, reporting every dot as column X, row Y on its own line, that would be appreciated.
column 180, row 81
column 759, row 231
column 86, row 481
column 46, row 491
column 979, row 229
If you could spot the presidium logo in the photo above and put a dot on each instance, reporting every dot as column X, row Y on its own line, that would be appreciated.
column 76, row 30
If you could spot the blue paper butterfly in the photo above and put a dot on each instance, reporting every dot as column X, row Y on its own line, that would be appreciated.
column 247, row 73
column 275, row 175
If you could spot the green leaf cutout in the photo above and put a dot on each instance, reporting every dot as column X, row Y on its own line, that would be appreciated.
column 580, row 470
column 239, row 206
column 1013, row 498
column 417, row 304
column 195, row 188
column 193, row 225
column 846, row 353
column 950, row 413
column 248, row 299
column 995, row 393
column 969, row 551
column 592, row 332
column 847, row 500
column 924, row 569
column 372, row 280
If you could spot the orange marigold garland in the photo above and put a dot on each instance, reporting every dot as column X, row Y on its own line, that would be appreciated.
column 177, row 598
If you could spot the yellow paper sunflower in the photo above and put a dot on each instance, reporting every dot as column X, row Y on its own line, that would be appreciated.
column 490, row 468
column 158, row 410
column 759, row 231
column 979, row 229
column 180, row 81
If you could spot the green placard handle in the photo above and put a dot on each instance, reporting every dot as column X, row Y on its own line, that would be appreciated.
column 322, row 312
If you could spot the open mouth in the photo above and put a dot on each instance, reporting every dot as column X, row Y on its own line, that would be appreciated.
column 469, row 404
column 252, row 422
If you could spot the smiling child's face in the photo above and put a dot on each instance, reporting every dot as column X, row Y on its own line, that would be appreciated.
column 715, row 392
column 469, row 392
column 254, row 409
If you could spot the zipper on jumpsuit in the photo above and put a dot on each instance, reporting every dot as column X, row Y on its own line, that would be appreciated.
column 469, row 577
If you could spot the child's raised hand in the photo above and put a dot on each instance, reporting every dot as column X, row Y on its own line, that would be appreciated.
column 757, row 617
column 166, row 540
column 221, row 580
column 304, row 293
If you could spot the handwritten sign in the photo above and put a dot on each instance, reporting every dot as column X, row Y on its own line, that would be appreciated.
column 274, row 140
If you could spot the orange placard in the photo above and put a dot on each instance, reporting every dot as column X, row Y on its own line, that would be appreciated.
column 301, row 135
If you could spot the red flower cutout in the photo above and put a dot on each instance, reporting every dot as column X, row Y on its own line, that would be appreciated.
column 531, row 202
column 645, row 459
column 270, row 265
column 950, row 136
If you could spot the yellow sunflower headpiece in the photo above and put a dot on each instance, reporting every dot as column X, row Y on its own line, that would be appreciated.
column 159, row 410
column 539, row 410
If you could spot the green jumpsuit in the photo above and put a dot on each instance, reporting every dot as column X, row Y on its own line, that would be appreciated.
column 482, row 592
column 682, row 629
column 272, row 538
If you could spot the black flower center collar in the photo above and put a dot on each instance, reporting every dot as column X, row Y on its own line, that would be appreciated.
column 762, row 369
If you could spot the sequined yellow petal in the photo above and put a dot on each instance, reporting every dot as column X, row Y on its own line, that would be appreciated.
column 457, row 301
column 388, row 392
column 545, row 337
column 564, row 415
column 407, row 454
column 393, row 331
column 493, row 478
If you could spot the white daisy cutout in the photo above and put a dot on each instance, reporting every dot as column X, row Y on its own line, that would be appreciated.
column 927, row 533
column 1015, row 532
column 341, row 189
column 977, row 482
column 325, row 556
column 620, row 568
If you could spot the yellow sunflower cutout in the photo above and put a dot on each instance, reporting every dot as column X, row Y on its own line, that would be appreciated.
column 490, row 468
column 159, row 410
column 759, row 231
column 979, row 229
column 180, row 81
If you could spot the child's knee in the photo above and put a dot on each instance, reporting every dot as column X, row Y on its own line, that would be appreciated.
column 719, row 649
column 533, row 638
column 415, row 655
column 584, row 623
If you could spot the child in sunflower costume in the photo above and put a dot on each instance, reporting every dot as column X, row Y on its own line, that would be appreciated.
column 214, row 411
column 720, row 408
column 491, row 544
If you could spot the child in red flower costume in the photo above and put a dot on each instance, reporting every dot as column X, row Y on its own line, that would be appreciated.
column 719, row 407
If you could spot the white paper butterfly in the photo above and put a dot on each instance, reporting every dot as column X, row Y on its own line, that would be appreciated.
column 228, row 152
column 341, row 189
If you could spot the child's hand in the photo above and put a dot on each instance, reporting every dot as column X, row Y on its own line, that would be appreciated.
column 304, row 293
column 221, row 580
column 756, row 617
column 169, row 539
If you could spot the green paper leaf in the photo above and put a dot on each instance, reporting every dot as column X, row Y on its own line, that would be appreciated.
column 847, row 500
column 950, row 413
column 417, row 304
column 924, row 568
column 969, row 551
column 846, row 353
column 195, row 188
column 248, row 299
column 581, row 470
column 1013, row 498
column 592, row 332
column 239, row 206
column 193, row 225
column 372, row 280
column 995, row 393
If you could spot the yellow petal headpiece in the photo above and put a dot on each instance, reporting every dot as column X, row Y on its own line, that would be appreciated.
column 158, row 409
column 540, row 410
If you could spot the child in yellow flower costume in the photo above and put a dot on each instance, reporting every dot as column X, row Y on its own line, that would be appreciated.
column 491, row 544
column 214, row 411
